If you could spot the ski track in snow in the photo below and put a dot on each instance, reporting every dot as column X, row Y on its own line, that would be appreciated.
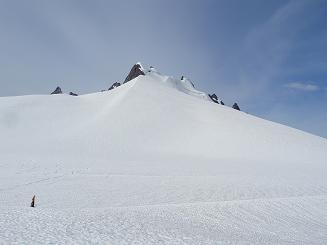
column 143, row 209
column 266, row 221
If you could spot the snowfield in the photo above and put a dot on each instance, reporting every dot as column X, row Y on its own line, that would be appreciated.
column 154, row 161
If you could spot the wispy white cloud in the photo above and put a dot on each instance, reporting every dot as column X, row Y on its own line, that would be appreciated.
column 303, row 86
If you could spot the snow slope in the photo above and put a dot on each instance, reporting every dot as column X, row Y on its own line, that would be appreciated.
column 154, row 161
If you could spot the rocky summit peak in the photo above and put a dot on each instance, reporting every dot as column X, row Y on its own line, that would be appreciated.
column 136, row 71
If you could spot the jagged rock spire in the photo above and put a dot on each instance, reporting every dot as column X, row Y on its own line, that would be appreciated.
column 57, row 91
column 136, row 71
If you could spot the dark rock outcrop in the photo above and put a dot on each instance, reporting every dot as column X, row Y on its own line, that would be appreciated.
column 57, row 91
column 135, row 72
column 115, row 85
column 214, row 98
column 73, row 94
column 236, row 107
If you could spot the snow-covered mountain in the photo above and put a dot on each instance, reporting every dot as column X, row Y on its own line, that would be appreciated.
column 154, row 160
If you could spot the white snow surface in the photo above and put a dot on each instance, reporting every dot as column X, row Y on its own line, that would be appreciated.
column 154, row 161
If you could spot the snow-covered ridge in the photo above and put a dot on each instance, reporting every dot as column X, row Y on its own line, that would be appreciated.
column 183, row 84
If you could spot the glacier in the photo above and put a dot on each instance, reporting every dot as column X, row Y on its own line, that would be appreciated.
column 155, row 161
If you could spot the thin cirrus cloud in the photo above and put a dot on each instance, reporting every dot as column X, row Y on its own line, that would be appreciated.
column 302, row 86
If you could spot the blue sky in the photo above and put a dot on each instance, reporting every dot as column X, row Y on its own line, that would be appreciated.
column 269, row 56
